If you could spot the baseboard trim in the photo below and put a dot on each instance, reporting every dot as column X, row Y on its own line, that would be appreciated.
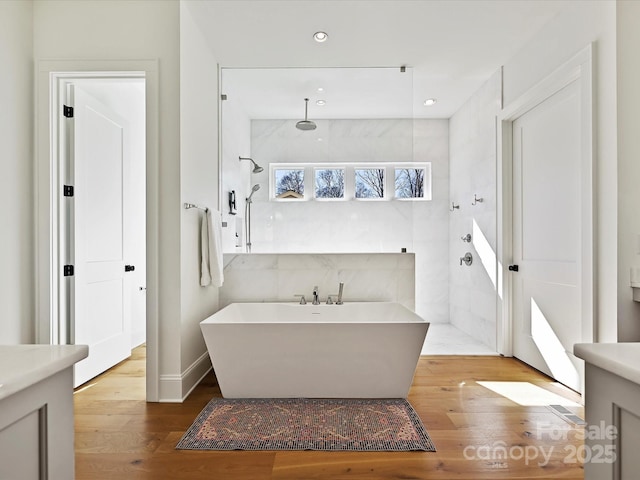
column 176, row 388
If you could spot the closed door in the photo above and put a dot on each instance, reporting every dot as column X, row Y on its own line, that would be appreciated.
column 101, row 300
column 547, row 233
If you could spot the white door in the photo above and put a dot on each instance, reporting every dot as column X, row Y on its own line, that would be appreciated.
column 547, row 232
column 101, row 305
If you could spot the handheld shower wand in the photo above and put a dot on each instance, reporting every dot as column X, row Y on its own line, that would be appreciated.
column 254, row 189
column 247, row 215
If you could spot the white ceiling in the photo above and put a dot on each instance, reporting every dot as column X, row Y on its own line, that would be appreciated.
column 452, row 46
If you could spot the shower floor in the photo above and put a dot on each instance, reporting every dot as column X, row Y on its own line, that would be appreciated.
column 445, row 339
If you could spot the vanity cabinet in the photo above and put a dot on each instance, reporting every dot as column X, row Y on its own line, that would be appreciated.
column 612, row 410
column 36, row 411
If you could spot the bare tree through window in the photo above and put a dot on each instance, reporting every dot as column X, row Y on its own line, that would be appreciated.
column 409, row 182
column 330, row 183
column 370, row 183
column 289, row 181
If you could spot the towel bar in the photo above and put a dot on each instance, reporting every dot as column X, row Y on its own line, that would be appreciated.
column 193, row 205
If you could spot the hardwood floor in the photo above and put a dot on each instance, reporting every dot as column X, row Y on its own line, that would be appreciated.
column 120, row 436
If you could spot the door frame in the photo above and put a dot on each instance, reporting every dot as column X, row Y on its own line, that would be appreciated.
column 50, row 75
column 578, row 68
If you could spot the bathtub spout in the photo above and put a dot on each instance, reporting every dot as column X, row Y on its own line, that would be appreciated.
column 316, row 300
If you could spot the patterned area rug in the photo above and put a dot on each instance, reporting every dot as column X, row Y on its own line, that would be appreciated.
column 307, row 424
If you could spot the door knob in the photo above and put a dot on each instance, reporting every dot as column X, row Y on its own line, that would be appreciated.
column 129, row 268
column 513, row 268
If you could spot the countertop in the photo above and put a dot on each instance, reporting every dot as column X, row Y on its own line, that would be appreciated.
column 22, row 366
column 622, row 359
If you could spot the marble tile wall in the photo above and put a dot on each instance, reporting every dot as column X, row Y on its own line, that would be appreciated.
column 272, row 277
column 236, row 142
column 472, row 170
column 422, row 227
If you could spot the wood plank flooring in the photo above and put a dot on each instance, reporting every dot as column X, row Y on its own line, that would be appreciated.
column 120, row 436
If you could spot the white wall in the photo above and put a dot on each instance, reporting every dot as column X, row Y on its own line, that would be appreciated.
column 628, row 46
column 198, row 184
column 579, row 24
column 236, row 142
column 330, row 226
column 359, row 226
column 16, row 195
column 265, row 277
column 472, row 170
column 430, row 222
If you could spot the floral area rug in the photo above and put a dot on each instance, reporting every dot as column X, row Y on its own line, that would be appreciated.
column 374, row 425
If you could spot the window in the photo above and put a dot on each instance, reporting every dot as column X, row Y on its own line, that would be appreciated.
column 369, row 182
column 410, row 182
column 289, row 183
column 329, row 182
column 351, row 181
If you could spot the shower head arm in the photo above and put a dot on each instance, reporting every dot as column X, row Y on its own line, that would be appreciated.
column 256, row 168
column 306, row 124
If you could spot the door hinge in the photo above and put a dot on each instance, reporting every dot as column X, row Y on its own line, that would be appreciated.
column 223, row 96
column 67, row 190
column 67, row 111
column 68, row 270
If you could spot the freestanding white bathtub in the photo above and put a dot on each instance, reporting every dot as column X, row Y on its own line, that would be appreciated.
column 280, row 350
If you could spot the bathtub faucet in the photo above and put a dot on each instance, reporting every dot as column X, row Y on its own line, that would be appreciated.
column 341, row 287
column 316, row 300
column 339, row 295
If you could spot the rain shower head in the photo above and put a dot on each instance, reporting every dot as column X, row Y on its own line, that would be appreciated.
column 254, row 189
column 256, row 168
column 305, row 124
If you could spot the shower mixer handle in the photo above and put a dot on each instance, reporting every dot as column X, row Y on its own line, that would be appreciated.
column 467, row 259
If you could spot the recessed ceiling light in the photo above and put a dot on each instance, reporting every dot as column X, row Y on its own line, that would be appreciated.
column 320, row 37
column 320, row 102
column 320, row 89
column 429, row 102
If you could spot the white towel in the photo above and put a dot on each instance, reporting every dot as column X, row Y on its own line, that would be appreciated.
column 211, row 267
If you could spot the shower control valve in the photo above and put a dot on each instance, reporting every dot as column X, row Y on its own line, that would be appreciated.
column 303, row 301
column 466, row 238
column 467, row 259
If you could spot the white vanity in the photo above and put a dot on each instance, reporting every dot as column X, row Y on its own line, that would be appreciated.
column 36, row 411
column 612, row 408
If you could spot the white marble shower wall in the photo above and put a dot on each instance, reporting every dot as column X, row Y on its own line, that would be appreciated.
column 271, row 277
column 236, row 142
column 360, row 226
column 472, row 162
